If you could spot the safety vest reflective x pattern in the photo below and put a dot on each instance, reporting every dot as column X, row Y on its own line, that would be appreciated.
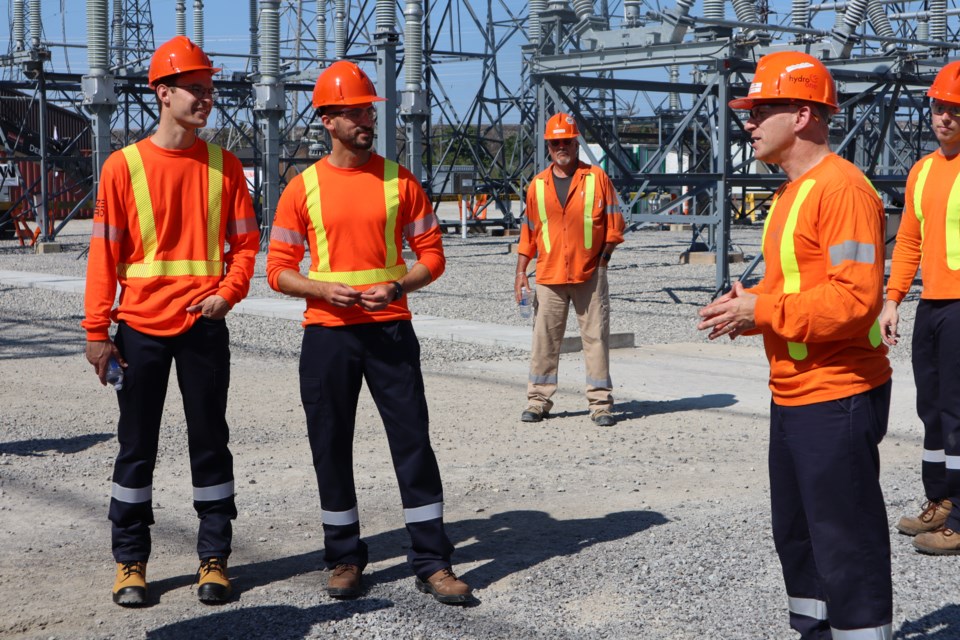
column 791, row 267
column 390, row 270
column 952, row 223
column 150, row 267
column 588, row 201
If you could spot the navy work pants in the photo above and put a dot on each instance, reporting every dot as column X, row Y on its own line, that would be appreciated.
column 333, row 363
column 829, row 519
column 936, row 371
column 202, row 356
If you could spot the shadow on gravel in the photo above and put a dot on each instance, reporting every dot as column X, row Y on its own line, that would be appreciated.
column 60, row 445
column 942, row 624
column 278, row 622
column 642, row 409
column 518, row 540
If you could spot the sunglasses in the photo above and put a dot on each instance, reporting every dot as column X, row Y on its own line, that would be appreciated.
column 197, row 91
column 940, row 108
column 561, row 142
column 764, row 111
column 354, row 114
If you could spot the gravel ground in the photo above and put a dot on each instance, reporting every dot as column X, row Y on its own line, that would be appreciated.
column 658, row 528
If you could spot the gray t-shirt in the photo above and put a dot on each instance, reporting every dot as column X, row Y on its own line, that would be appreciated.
column 562, row 186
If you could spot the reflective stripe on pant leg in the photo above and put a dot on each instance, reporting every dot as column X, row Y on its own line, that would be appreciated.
column 393, row 375
column 331, row 361
column 591, row 301
column 550, row 322
column 202, row 357
column 948, row 346
column 927, row 378
column 883, row 632
column 138, row 431
column 836, row 460
column 791, row 536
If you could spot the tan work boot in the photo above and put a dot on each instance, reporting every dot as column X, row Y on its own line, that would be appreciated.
column 445, row 587
column 214, row 584
column 942, row 542
column 344, row 582
column 933, row 515
column 130, row 587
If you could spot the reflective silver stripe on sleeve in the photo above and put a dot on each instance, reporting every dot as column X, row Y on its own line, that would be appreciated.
column 424, row 513
column 103, row 230
column 126, row 494
column 421, row 226
column 340, row 518
column 287, row 236
column 934, row 455
column 531, row 224
column 612, row 209
column 953, row 462
column 216, row 492
column 874, row 633
column 809, row 607
column 243, row 225
column 851, row 250
column 535, row 379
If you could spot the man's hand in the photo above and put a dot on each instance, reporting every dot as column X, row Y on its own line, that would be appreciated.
column 335, row 293
column 520, row 282
column 731, row 314
column 98, row 354
column 378, row 296
column 213, row 307
column 889, row 318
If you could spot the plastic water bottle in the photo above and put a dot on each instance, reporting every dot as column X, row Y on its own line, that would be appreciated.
column 526, row 308
column 115, row 374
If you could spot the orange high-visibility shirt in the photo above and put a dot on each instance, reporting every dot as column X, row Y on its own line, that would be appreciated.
column 933, row 244
column 155, row 242
column 357, row 242
column 567, row 239
column 821, row 295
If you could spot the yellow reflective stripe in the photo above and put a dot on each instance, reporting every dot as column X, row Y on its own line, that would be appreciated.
column 542, row 211
column 141, row 194
column 788, row 259
column 391, row 196
column 588, row 211
column 918, row 195
column 356, row 278
column 952, row 227
column 214, row 198
column 197, row 268
column 312, row 185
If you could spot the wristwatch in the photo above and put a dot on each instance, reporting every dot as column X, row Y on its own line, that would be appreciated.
column 397, row 289
column 606, row 256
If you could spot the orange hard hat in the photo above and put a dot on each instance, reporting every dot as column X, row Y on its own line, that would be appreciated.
column 560, row 126
column 175, row 56
column 787, row 76
column 946, row 86
column 343, row 83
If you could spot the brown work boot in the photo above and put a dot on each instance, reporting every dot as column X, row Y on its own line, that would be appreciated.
column 534, row 413
column 933, row 515
column 942, row 542
column 344, row 582
column 130, row 587
column 445, row 587
column 214, row 584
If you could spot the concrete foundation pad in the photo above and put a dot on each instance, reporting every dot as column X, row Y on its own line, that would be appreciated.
column 707, row 257
column 48, row 247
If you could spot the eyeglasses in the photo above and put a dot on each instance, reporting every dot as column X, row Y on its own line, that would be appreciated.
column 940, row 108
column 562, row 142
column 355, row 114
column 764, row 111
column 199, row 92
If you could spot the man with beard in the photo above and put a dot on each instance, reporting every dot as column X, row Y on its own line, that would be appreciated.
column 817, row 308
column 573, row 224
column 166, row 207
column 929, row 238
column 354, row 208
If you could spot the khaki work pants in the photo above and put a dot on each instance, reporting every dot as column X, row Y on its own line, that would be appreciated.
column 591, row 302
